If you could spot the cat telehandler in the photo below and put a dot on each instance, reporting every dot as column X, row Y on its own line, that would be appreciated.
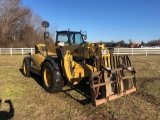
column 72, row 59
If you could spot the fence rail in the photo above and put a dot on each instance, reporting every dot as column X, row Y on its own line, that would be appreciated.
column 16, row 51
column 117, row 51
column 137, row 51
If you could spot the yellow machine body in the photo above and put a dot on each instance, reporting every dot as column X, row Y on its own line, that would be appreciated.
column 73, row 71
column 109, row 76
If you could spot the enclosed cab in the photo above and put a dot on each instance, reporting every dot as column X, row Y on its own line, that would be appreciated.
column 70, row 38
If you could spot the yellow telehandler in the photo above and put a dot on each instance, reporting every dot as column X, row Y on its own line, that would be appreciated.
column 72, row 59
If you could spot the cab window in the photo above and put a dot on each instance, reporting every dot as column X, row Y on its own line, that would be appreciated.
column 63, row 38
column 75, row 38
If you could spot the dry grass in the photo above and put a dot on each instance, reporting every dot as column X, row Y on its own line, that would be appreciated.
column 31, row 101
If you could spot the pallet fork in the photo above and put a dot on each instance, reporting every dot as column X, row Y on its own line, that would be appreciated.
column 111, row 83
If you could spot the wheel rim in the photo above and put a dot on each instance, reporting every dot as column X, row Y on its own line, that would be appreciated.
column 47, row 77
column 24, row 67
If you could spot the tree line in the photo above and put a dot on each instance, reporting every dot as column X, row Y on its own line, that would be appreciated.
column 19, row 27
column 122, row 43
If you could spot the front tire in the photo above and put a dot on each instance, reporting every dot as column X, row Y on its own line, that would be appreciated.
column 52, row 78
column 26, row 67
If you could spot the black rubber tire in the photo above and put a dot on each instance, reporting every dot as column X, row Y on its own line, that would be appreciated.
column 26, row 66
column 52, row 78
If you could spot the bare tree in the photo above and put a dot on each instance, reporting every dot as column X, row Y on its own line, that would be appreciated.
column 13, row 17
column 19, row 27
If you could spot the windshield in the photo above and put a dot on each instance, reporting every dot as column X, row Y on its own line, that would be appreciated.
column 75, row 38
column 71, row 38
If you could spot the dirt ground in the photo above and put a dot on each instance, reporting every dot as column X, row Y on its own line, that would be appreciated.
column 24, row 98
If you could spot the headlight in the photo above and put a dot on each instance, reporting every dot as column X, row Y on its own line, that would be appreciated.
column 104, row 52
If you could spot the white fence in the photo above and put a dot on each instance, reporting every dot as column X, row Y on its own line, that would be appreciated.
column 137, row 51
column 117, row 51
column 16, row 51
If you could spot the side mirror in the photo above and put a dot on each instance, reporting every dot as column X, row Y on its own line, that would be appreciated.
column 85, row 37
column 46, row 35
column 45, row 24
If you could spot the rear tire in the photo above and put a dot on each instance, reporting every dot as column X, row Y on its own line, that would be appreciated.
column 52, row 78
column 26, row 67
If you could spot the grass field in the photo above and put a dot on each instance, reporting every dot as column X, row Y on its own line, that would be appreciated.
column 30, row 101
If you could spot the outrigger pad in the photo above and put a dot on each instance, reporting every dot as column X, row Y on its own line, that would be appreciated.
column 109, row 84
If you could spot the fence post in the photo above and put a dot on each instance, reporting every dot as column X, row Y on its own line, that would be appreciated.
column 0, row 51
column 132, row 51
column 31, row 51
column 10, row 51
column 146, row 51
column 118, row 51
column 22, row 51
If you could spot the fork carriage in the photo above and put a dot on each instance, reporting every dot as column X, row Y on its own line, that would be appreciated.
column 110, row 83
